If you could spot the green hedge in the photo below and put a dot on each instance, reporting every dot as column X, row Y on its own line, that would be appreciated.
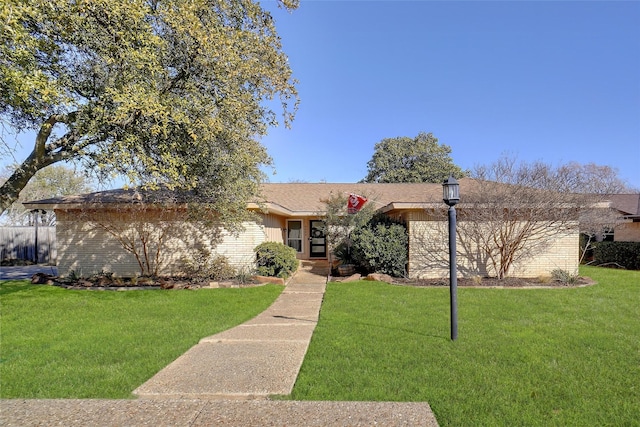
column 381, row 246
column 626, row 254
column 275, row 260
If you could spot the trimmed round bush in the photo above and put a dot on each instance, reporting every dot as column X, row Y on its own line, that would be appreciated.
column 275, row 259
column 381, row 248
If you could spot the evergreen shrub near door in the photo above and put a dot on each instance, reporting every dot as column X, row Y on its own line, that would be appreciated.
column 275, row 259
column 381, row 246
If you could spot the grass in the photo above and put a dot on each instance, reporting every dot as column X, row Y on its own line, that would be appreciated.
column 565, row 356
column 57, row 343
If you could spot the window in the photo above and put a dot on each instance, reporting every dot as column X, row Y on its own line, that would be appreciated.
column 608, row 235
column 294, row 235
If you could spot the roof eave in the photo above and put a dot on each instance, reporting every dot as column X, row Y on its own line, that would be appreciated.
column 276, row 209
column 53, row 206
column 110, row 205
column 394, row 206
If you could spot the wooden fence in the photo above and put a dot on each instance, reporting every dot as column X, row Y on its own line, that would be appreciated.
column 19, row 243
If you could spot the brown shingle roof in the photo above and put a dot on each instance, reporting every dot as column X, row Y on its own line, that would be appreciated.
column 301, row 197
column 292, row 197
column 117, row 196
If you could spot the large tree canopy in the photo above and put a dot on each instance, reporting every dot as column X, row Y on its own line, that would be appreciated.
column 404, row 159
column 170, row 92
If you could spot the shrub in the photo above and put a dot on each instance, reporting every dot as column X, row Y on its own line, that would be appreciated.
column 381, row 246
column 564, row 276
column 275, row 259
column 625, row 254
column 75, row 275
column 205, row 265
column 343, row 253
column 244, row 274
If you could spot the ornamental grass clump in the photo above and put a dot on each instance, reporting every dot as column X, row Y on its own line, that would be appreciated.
column 206, row 265
column 563, row 276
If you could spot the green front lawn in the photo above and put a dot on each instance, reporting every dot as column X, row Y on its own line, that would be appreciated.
column 566, row 356
column 57, row 343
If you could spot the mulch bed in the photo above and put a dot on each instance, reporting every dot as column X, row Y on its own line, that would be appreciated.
column 105, row 283
column 492, row 282
column 476, row 282
column 145, row 283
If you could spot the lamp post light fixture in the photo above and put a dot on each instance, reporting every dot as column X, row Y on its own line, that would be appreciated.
column 451, row 196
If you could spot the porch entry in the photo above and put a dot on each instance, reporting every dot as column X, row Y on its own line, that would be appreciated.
column 317, row 240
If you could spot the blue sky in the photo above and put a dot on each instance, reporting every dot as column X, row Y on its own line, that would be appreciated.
column 556, row 81
column 546, row 80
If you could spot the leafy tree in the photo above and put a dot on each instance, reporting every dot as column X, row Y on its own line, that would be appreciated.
column 54, row 181
column 405, row 159
column 339, row 224
column 172, row 92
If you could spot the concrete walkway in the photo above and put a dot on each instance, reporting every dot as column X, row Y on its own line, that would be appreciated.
column 257, row 359
column 226, row 379
column 196, row 413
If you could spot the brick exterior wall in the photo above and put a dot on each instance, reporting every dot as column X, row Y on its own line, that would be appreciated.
column 88, row 249
column 84, row 250
column 429, row 253
column 239, row 249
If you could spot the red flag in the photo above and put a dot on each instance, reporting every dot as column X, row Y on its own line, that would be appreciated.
column 355, row 203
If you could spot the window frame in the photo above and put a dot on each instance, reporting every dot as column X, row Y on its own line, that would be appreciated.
column 300, row 239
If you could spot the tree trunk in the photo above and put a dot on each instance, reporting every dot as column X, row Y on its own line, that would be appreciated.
column 12, row 187
column 39, row 158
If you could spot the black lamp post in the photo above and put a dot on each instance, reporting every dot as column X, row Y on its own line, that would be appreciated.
column 451, row 196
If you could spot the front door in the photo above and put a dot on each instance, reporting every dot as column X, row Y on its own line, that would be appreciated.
column 318, row 242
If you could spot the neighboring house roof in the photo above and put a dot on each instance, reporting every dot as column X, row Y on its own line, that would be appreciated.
column 285, row 199
column 627, row 204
